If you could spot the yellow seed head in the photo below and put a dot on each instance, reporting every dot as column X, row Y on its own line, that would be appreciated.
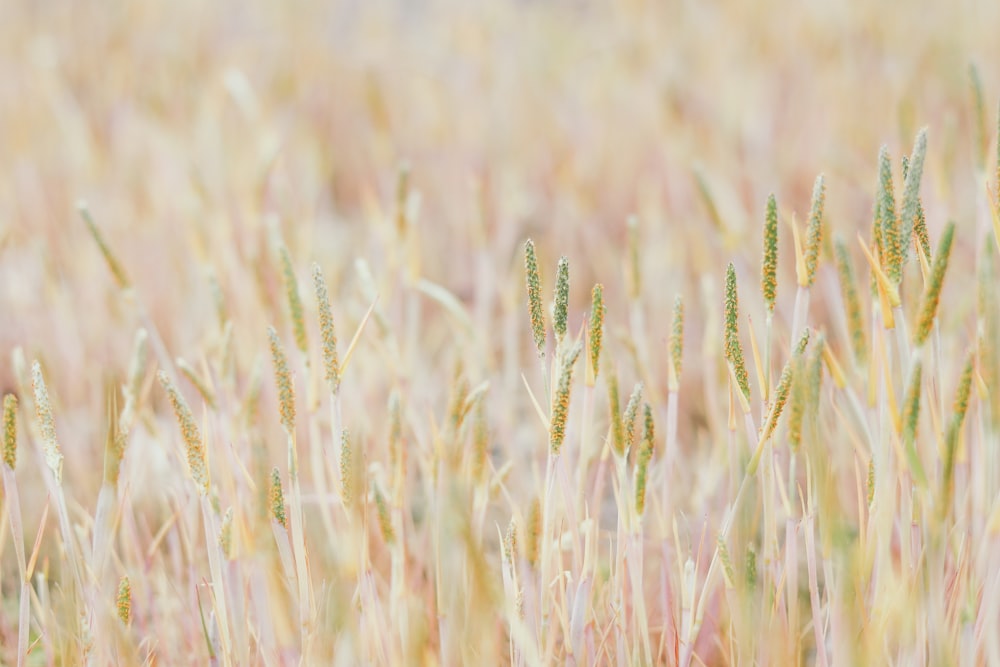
column 534, row 532
column 346, row 469
column 932, row 292
column 596, row 331
column 534, row 284
column 124, row 600
column 560, row 402
column 114, row 444
column 43, row 409
column 677, row 342
column 226, row 535
column 331, row 365
column 510, row 542
column 277, row 499
column 480, row 440
column 196, row 457
column 294, row 302
column 814, row 232
column 286, row 389
column 769, row 267
column 10, row 431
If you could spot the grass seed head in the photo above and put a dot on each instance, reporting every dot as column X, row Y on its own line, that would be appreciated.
column 920, row 222
column 911, row 190
column 769, row 266
column 534, row 284
column 328, row 335
column 932, row 292
column 814, row 232
column 196, row 457
column 283, row 377
column 852, row 303
column 226, row 535
column 534, row 532
column 614, row 408
column 295, row 309
column 891, row 236
column 47, row 425
column 631, row 412
column 10, row 431
column 733, row 346
column 596, row 331
column 277, row 499
column 642, row 463
column 560, row 304
column 677, row 342
column 346, row 469
column 384, row 518
column 560, row 402
column 124, row 600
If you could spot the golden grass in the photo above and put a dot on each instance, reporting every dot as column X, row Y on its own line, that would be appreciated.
column 510, row 511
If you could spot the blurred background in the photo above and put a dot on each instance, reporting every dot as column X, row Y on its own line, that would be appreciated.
column 196, row 131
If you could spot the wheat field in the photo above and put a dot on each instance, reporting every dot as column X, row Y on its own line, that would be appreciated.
column 488, row 333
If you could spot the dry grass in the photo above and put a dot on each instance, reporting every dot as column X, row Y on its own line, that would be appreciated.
column 455, row 477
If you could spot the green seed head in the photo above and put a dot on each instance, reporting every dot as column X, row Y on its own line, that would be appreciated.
column 932, row 292
column 631, row 412
column 10, row 431
column 277, row 497
column 733, row 347
column 645, row 454
column 769, row 267
column 814, row 233
column 560, row 402
column 911, row 191
column 596, row 332
column 561, row 304
column 852, row 303
column 887, row 215
column 920, row 222
column 534, row 284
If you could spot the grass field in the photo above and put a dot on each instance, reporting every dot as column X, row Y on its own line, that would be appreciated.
column 480, row 333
